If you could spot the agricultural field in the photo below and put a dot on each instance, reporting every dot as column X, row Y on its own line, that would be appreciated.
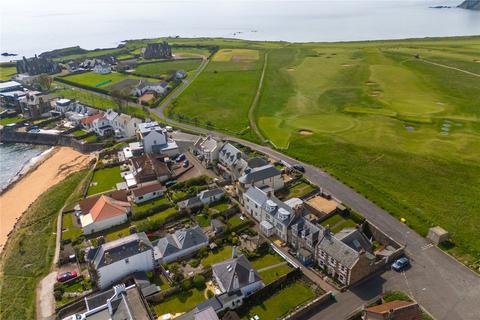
column 399, row 121
column 159, row 69
column 223, row 93
column 102, row 81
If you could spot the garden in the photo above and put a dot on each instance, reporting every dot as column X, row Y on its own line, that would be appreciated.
column 104, row 179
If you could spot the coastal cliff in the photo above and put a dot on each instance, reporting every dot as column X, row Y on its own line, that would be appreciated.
column 470, row 4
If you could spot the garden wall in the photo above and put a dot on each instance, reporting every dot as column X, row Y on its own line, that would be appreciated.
column 311, row 308
column 48, row 139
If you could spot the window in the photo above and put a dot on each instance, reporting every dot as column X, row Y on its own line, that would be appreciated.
column 256, row 206
column 140, row 198
column 331, row 260
column 341, row 278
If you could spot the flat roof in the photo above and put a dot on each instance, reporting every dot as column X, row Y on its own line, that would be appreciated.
column 9, row 84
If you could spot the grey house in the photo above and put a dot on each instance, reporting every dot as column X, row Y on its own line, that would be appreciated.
column 180, row 244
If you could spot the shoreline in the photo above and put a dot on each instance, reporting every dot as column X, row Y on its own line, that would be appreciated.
column 27, row 168
column 51, row 167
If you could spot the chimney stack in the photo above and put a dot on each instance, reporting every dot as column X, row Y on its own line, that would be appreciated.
column 234, row 252
column 251, row 276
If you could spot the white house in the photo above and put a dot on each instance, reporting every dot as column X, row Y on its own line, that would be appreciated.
column 105, row 213
column 210, row 195
column 266, row 175
column 102, row 68
column 101, row 126
column 114, row 260
column 148, row 192
column 145, row 86
column 155, row 139
column 180, row 244
column 125, row 126
column 207, row 149
column 262, row 205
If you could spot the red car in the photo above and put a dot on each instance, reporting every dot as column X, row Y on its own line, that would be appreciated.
column 62, row 277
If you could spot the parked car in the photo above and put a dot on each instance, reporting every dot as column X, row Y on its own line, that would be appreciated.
column 298, row 167
column 401, row 264
column 186, row 163
column 180, row 157
column 34, row 129
column 62, row 277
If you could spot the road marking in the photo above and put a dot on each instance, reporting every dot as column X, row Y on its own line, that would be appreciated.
column 425, row 247
column 408, row 285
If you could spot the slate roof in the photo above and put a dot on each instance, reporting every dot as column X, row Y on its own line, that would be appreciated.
column 257, row 195
column 138, row 192
column 338, row 250
column 210, row 193
column 119, row 249
column 206, row 144
column 252, row 175
column 232, row 158
column 239, row 267
column 257, row 162
column 281, row 211
column 148, row 165
column 181, row 240
column 190, row 203
column 354, row 239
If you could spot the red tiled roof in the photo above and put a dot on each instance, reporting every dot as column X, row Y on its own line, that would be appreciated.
column 107, row 207
column 396, row 310
column 90, row 119
column 87, row 203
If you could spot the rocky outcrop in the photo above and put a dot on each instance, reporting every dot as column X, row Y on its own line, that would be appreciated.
column 470, row 4
column 34, row 66
column 58, row 53
column 157, row 51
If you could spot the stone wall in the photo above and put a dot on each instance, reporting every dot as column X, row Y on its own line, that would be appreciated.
column 48, row 139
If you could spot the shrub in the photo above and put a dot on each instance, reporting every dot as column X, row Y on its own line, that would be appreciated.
column 194, row 263
column 58, row 293
column 186, row 284
column 199, row 281
column 210, row 294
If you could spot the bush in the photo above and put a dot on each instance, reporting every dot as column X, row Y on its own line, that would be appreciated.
column 186, row 284
column 199, row 281
column 194, row 263
column 58, row 293
column 395, row 295
column 210, row 294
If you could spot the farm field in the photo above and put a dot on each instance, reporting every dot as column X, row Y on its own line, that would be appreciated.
column 222, row 94
column 158, row 69
column 380, row 116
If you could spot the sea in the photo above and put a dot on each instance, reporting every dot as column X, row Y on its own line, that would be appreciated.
column 16, row 158
column 29, row 27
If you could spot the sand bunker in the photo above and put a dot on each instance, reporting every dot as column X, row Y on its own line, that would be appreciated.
column 347, row 65
column 370, row 83
column 305, row 132
column 291, row 69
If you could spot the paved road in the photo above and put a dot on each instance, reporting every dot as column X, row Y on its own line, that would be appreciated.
column 446, row 288
column 438, row 282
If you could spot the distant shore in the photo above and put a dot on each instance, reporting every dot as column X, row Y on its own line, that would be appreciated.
column 53, row 167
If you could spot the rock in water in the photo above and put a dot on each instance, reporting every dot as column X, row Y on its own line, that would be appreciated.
column 470, row 4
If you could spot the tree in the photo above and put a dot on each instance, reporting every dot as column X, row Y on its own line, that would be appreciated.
column 119, row 97
column 44, row 82
column 199, row 281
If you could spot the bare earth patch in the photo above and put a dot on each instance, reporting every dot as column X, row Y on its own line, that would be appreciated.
column 305, row 132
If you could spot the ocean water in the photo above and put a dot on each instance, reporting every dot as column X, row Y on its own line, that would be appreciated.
column 14, row 157
column 34, row 26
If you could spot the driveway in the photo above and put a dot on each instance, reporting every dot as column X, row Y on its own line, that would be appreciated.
column 45, row 299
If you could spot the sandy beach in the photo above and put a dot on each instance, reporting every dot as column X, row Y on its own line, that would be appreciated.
column 58, row 164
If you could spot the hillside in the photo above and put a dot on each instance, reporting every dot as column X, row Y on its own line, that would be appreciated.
column 470, row 4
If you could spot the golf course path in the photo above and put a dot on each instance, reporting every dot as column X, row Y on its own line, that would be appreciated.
column 251, row 110
column 452, row 68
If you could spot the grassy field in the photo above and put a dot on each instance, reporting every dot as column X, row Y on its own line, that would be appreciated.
column 25, row 261
column 181, row 302
column 5, row 121
column 400, row 130
column 164, row 68
column 222, row 94
column 104, row 180
column 69, row 230
column 103, row 81
column 92, row 99
column 282, row 302
column 7, row 72
column 139, row 209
